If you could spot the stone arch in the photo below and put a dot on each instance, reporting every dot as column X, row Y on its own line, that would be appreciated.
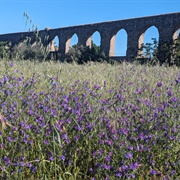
column 95, row 37
column 68, row 42
column 146, row 36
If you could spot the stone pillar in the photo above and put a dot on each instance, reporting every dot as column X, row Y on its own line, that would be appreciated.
column 67, row 45
column 105, row 42
column 140, row 42
column 82, row 40
column 112, row 46
column 165, row 38
column 62, row 48
column 132, row 44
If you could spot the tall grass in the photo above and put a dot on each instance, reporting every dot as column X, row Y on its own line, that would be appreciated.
column 93, row 121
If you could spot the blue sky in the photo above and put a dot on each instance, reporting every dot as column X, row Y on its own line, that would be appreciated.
column 61, row 13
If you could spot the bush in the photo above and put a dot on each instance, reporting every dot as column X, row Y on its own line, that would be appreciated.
column 4, row 49
column 83, row 54
column 27, row 51
column 168, row 54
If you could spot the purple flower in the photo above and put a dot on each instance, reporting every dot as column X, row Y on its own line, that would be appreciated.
column 130, row 148
column 173, row 172
column 46, row 141
column 134, row 166
column 1, row 146
column 29, row 165
column 153, row 172
column 107, row 167
column 108, row 158
column 7, row 160
column 100, row 151
column 166, row 178
column 173, row 99
column 11, row 64
column 169, row 93
column 118, row 174
column 178, row 80
column 64, row 136
column 159, row 84
column 33, row 169
column 62, row 158
column 21, row 163
column 76, row 138
column 129, row 155
column 51, row 158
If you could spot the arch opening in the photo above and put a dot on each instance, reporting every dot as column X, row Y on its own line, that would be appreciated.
column 54, row 44
column 148, row 42
column 71, row 42
column 176, row 35
column 94, row 41
column 120, row 43
column 74, row 40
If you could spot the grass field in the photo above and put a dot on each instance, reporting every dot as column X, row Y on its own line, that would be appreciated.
column 93, row 122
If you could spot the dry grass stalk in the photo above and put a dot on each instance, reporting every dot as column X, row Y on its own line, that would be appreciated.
column 4, row 122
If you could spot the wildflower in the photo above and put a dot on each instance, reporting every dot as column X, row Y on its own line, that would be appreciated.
column 46, row 141
column 178, row 80
column 159, row 84
column 11, row 64
column 118, row 174
column 153, row 172
column 21, row 163
column 51, row 158
column 173, row 99
column 62, row 158
column 134, row 166
column 129, row 155
column 169, row 93
column 107, row 167
column 33, row 169
column 64, row 136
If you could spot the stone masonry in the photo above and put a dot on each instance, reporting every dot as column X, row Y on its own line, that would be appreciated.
column 167, row 25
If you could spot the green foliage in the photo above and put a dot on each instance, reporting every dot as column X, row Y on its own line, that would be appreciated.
column 83, row 54
column 174, row 53
column 168, row 53
column 4, row 50
column 27, row 51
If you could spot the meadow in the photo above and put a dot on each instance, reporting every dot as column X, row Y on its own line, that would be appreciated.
column 89, row 122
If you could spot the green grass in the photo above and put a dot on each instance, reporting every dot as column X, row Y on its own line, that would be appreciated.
column 89, row 121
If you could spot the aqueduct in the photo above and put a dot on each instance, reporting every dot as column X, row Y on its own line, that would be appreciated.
column 168, row 26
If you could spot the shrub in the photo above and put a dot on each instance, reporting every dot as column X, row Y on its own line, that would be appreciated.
column 27, row 51
column 168, row 53
column 5, row 49
column 83, row 54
